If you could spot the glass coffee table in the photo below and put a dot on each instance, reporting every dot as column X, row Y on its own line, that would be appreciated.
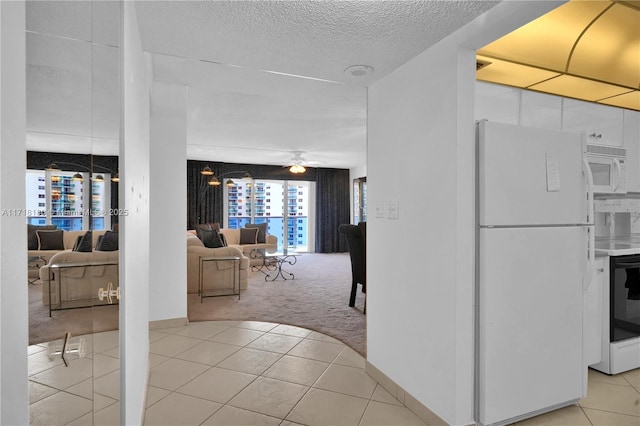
column 272, row 263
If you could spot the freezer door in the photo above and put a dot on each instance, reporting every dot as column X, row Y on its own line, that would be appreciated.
column 529, row 176
column 529, row 320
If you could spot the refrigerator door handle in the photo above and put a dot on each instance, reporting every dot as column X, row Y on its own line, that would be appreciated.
column 590, row 227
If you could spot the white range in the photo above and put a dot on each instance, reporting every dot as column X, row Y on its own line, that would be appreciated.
column 618, row 304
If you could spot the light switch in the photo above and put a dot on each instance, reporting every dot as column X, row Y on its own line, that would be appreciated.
column 392, row 210
column 380, row 210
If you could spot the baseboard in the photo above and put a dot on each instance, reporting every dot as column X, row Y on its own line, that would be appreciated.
column 168, row 323
column 419, row 409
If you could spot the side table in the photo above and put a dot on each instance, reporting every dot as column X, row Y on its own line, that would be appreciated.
column 235, row 290
column 91, row 295
column 34, row 263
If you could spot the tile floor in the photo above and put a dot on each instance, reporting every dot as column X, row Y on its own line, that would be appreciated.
column 256, row 373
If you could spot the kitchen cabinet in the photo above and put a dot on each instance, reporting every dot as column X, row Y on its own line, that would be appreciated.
column 541, row 110
column 497, row 103
column 602, row 124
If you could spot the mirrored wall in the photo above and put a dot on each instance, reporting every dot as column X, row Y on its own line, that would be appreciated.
column 72, row 211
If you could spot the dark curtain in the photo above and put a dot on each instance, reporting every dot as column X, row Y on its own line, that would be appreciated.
column 204, row 202
column 332, row 209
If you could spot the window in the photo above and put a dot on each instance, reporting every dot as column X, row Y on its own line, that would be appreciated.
column 62, row 203
column 359, row 200
column 285, row 213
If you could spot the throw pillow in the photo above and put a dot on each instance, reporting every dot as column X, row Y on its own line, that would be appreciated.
column 50, row 240
column 262, row 231
column 84, row 243
column 248, row 235
column 211, row 238
column 32, row 238
column 108, row 242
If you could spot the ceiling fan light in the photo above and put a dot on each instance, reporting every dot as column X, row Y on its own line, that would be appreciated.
column 52, row 166
column 297, row 168
column 230, row 183
column 99, row 178
column 206, row 171
column 77, row 177
column 115, row 178
column 214, row 181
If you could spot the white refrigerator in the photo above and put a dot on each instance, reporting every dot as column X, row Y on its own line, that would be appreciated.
column 533, row 235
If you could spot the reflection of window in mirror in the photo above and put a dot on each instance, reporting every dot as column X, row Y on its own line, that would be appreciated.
column 359, row 200
column 57, row 198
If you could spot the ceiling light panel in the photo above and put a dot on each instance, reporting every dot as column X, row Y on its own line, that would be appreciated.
column 511, row 74
column 630, row 100
column 609, row 50
column 547, row 41
column 579, row 88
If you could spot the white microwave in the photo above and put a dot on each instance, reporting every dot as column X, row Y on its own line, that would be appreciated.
column 608, row 168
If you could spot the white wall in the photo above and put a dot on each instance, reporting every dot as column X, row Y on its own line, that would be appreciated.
column 420, row 294
column 14, row 321
column 168, row 198
column 134, row 227
column 424, row 289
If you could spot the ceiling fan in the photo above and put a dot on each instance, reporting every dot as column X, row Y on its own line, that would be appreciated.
column 297, row 162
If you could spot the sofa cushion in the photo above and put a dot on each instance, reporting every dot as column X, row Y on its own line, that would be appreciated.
column 32, row 238
column 231, row 235
column 262, row 231
column 248, row 236
column 50, row 240
column 108, row 242
column 84, row 242
column 211, row 238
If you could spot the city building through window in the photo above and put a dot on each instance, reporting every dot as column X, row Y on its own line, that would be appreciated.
column 288, row 212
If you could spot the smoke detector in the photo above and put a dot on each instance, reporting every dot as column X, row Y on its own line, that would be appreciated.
column 358, row 71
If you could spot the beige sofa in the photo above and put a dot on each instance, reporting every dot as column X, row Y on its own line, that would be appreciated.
column 217, row 274
column 80, row 283
column 68, row 239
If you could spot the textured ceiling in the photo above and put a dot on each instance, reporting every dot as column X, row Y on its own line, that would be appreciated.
column 265, row 78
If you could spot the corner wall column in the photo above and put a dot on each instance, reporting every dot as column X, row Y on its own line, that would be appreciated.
column 14, row 308
column 134, row 225
column 168, row 201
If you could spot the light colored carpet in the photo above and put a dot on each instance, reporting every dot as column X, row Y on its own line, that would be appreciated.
column 317, row 299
